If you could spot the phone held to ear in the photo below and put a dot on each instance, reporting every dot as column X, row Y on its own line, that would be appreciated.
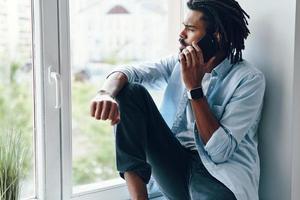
column 208, row 46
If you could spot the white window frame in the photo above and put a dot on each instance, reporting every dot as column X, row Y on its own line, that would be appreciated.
column 47, row 124
column 53, row 132
column 113, row 189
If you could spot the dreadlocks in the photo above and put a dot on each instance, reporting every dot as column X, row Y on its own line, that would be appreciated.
column 227, row 18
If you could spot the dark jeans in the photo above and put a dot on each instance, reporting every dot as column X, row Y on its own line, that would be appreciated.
column 146, row 146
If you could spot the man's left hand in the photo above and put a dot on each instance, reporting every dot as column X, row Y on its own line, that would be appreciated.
column 193, row 67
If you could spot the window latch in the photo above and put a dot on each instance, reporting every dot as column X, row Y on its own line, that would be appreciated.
column 56, row 78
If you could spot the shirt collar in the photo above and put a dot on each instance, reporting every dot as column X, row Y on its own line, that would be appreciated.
column 222, row 69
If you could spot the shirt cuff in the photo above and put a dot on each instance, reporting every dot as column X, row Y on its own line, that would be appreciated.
column 216, row 142
column 124, row 71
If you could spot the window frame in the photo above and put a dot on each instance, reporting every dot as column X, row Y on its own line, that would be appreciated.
column 53, row 128
column 53, row 155
column 47, row 117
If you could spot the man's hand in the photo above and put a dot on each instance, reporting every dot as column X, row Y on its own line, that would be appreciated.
column 104, row 107
column 193, row 67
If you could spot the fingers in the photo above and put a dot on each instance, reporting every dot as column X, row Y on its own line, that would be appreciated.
column 182, row 59
column 98, row 110
column 194, row 56
column 197, row 48
column 114, row 114
column 116, row 118
column 188, row 57
column 93, row 108
column 105, row 110
column 199, row 52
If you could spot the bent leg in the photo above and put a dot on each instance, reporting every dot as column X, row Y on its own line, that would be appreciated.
column 145, row 144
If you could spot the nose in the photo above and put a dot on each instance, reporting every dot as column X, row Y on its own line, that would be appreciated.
column 183, row 34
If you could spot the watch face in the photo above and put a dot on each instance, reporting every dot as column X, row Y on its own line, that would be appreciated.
column 196, row 93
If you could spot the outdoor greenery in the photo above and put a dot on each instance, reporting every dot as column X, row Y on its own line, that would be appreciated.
column 93, row 140
column 16, row 104
column 16, row 125
column 13, row 163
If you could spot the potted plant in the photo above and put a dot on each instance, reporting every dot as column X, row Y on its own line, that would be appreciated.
column 13, row 154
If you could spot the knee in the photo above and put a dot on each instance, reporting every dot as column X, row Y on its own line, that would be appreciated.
column 131, row 91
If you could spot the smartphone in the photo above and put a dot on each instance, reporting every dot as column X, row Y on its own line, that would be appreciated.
column 208, row 46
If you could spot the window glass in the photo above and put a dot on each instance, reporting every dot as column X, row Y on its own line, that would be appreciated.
column 16, row 94
column 105, row 34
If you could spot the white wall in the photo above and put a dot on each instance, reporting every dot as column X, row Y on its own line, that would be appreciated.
column 271, row 47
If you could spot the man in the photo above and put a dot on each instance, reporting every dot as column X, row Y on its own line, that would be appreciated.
column 203, row 143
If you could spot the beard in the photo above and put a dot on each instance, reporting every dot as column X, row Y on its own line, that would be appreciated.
column 183, row 45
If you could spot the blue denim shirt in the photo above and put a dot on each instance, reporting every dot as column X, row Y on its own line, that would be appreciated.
column 235, row 96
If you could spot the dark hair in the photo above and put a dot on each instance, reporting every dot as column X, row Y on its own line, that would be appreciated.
column 227, row 18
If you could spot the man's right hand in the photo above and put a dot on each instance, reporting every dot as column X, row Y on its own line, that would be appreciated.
column 104, row 107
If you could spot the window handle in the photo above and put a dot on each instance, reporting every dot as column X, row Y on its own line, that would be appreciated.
column 55, row 77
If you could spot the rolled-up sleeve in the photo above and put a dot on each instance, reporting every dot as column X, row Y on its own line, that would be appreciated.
column 150, row 73
column 240, row 114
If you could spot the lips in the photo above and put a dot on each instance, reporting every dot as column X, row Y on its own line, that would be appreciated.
column 182, row 44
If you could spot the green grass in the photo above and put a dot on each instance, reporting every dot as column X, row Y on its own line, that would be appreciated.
column 13, row 156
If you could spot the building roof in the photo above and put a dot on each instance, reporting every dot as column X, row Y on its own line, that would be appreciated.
column 118, row 9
